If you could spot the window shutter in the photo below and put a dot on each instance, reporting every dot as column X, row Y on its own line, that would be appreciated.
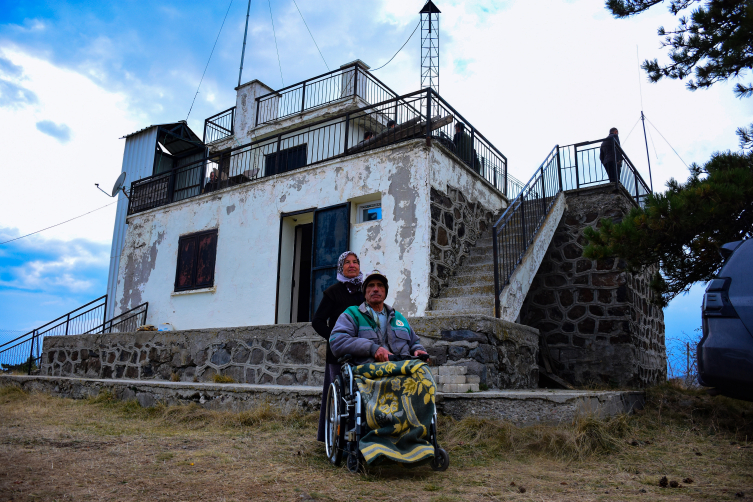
column 205, row 262
column 186, row 258
column 196, row 259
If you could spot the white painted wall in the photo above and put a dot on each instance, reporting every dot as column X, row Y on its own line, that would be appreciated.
column 248, row 221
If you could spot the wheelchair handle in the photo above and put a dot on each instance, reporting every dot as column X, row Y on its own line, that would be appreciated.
column 422, row 357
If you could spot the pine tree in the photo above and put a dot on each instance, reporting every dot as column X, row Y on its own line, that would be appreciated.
column 714, row 44
column 683, row 228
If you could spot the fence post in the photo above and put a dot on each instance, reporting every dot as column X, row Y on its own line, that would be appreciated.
column 232, row 122
column 67, row 322
column 505, row 189
column 104, row 314
column 256, row 118
column 523, row 216
column 303, row 98
column 31, row 351
column 577, row 176
column 277, row 154
column 559, row 169
column 428, row 117
column 495, row 252
column 347, row 133
column 355, row 81
column 543, row 191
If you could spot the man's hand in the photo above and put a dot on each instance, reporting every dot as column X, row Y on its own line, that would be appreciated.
column 382, row 355
column 419, row 352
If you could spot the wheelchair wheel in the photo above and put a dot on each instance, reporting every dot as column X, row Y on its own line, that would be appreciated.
column 441, row 460
column 334, row 431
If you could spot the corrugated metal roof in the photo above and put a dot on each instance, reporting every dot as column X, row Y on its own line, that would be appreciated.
column 169, row 125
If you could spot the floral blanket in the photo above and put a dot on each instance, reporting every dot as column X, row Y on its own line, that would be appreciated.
column 399, row 403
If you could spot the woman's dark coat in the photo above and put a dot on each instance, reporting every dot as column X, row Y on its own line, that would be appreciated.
column 336, row 299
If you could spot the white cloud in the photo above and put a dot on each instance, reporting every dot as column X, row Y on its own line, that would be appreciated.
column 48, row 179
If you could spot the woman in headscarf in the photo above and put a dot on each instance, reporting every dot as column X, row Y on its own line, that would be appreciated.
column 345, row 293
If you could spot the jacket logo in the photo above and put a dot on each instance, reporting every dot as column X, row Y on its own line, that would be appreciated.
column 399, row 322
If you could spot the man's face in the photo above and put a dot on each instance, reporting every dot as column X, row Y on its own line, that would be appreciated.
column 375, row 292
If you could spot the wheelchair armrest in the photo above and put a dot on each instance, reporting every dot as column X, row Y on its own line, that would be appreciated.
column 344, row 359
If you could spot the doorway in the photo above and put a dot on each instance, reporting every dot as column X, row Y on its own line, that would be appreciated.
column 310, row 243
column 301, row 297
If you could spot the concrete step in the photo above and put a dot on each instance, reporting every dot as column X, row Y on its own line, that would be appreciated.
column 472, row 280
column 479, row 259
column 453, row 291
column 481, row 251
column 476, row 270
column 465, row 304
column 477, row 311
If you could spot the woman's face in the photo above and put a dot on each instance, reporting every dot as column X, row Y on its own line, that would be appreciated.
column 351, row 268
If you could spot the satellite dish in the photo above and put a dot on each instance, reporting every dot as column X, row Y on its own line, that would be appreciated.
column 116, row 188
column 118, row 184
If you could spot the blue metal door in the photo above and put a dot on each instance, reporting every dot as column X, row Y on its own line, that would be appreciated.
column 331, row 239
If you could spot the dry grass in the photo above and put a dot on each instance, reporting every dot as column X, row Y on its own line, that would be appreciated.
column 104, row 449
column 223, row 379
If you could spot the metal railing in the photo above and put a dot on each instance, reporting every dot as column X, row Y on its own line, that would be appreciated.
column 23, row 353
column 565, row 168
column 322, row 90
column 421, row 114
column 219, row 126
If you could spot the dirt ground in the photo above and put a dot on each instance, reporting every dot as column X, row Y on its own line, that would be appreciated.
column 102, row 449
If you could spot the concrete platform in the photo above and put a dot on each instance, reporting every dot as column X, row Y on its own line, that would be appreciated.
column 521, row 407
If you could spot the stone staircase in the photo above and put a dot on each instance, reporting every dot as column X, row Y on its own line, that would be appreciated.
column 471, row 289
column 455, row 379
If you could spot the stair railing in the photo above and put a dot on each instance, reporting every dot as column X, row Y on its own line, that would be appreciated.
column 571, row 167
column 24, row 353
column 518, row 225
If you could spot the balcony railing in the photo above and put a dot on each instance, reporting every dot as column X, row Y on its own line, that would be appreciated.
column 420, row 114
column 219, row 126
column 318, row 91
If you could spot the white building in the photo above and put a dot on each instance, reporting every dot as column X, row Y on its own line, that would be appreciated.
column 245, row 227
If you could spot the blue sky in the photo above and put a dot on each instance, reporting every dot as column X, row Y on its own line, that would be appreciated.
column 75, row 76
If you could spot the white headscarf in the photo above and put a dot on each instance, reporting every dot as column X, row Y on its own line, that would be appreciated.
column 353, row 284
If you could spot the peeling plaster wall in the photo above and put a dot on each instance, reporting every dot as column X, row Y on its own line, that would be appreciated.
column 247, row 248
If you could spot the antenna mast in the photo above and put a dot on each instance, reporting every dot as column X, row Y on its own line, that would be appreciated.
column 643, row 121
column 430, row 46
column 243, row 52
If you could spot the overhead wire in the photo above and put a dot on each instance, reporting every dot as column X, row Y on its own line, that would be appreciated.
column 670, row 145
column 210, row 58
column 312, row 35
column 401, row 48
column 631, row 130
column 58, row 224
column 275, row 37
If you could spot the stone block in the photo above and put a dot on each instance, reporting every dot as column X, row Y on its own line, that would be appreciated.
column 473, row 379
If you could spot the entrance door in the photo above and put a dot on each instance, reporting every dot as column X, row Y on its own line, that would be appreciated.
column 301, row 299
column 331, row 238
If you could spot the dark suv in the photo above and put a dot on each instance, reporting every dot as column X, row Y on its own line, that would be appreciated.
column 725, row 353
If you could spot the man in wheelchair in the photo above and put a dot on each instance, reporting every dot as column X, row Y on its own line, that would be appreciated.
column 381, row 408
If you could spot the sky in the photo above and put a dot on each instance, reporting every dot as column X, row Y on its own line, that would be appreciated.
column 76, row 76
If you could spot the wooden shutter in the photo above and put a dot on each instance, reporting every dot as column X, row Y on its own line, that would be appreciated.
column 196, row 259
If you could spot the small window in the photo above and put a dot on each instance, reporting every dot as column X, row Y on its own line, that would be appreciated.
column 196, row 257
column 369, row 211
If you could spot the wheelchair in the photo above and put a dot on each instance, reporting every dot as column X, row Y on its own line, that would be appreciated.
column 346, row 421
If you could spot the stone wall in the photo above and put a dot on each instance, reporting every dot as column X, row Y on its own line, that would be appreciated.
column 598, row 320
column 456, row 223
column 285, row 354
column 503, row 354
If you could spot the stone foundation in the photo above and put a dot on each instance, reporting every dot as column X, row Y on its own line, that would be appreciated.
column 598, row 320
column 456, row 223
column 284, row 354
column 502, row 354
column 519, row 407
